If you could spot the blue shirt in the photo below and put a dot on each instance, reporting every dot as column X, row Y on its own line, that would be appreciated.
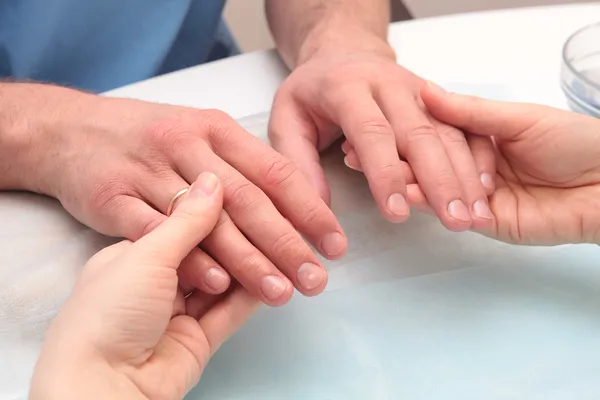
column 98, row 45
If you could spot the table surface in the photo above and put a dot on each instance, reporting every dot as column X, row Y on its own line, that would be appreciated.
column 414, row 311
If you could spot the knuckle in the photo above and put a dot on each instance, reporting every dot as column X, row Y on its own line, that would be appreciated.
column 106, row 195
column 420, row 132
column 167, row 131
column 286, row 243
column 279, row 172
column 251, row 265
column 313, row 213
column 244, row 195
column 220, row 124
column 375, row 129
column 452, row 135
column 447, row 183
column 389, row 173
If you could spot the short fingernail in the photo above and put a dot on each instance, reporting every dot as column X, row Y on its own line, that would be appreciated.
column 205, row 185
column 436, row 89
column 458, row 210
column 350, row 165
column 333, row 244
column 398, row 205
column 272, row 287
column 216, row 279
column 487, row 180
column 482, row 210
column 310, row 276
column 345, row 148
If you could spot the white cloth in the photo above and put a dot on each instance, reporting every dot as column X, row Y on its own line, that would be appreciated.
column 42, row 250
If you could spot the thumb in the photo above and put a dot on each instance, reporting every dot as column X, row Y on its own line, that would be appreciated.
column 295, row 136
column 194, row 218
column 480, row 116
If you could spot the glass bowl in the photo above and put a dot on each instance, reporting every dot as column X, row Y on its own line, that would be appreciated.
column 580, row 72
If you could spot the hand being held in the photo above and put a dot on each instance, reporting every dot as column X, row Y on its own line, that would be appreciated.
column 365, row 94
column 116, row 164
column 127, row 332
column 548, row 167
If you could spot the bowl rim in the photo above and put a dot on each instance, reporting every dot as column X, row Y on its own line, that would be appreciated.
column 568, row 64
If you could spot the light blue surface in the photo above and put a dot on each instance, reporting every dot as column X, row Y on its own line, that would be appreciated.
column 417, row 312
column 510, row 332
column 99, row 45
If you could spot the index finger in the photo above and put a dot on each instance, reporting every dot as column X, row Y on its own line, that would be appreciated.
column 194, row 218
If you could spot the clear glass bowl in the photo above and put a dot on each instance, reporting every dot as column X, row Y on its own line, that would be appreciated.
column 580, row 74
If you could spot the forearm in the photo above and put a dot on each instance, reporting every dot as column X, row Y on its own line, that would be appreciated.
column 303, row 28
column 30, row 115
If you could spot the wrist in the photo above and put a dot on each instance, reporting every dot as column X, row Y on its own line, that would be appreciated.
column 330, row 39
column 31, row 120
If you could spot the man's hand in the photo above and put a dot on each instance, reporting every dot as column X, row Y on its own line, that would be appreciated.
column 116, row 164
column 345, row 81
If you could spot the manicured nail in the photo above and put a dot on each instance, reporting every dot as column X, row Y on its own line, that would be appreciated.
column 272, row 287
column 216, row 279
column 487, row 180
column 350, row 165
column 482, row 210
column 205, row 185
column 436, row 89
column 310, row 276
column 333, row 244
column 458, row 210
column 398, row 205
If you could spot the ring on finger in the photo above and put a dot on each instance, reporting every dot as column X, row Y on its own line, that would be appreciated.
column 175, row 199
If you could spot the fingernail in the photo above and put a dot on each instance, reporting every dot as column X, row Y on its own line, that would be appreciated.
column 346, row 147
column 205, row 185
column 482, row 210
column 311, row 276
column 458, row 210
column 398, row 205
column 436, row 89
column 333, row 244
column 216, row 279
column 487, row 180
column 349, row 165
column 272, row 287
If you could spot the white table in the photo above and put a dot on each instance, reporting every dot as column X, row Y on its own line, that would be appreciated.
column 453, row 299
column 516, row 47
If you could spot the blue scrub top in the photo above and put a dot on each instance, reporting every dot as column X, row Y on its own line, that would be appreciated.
column 98, row 45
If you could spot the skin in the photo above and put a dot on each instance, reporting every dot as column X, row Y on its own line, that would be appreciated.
column 548, row 168
column 126, row 332
column 115, row 165
column 345, row 82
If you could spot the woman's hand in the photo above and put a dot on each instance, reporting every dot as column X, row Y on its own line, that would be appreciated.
column 547, row 161
column 548, row 167
column 127, row 332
